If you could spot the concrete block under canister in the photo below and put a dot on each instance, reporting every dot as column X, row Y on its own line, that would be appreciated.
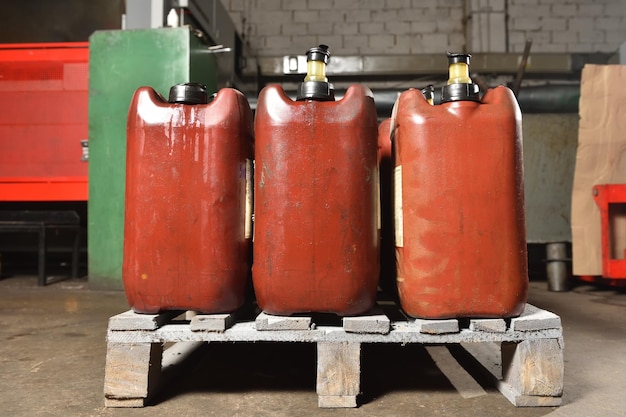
column 442, row 326
column 266, row 321
column 376, row 322
column 533, row 319
column 211, row 322
column 488, row 325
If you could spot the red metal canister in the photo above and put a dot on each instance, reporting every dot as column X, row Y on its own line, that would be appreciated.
column 316, row 236
column 459, row 206
column 187, row 228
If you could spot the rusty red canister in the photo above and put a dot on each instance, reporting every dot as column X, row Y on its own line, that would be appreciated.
column 458, row 198
column 316, row 237
column 187, row 226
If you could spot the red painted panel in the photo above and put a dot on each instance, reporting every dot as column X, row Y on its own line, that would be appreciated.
column 316, row 237
column 43, row 189
column 43, row 118
column 458, row 185
column 188, row 203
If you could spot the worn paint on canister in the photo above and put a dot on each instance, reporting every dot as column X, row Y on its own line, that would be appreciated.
column 316, row 238
column 187, row 234
column 459, row 206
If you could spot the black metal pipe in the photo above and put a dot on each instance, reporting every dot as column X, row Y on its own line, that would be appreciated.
column 562, row 98
column 549, row 98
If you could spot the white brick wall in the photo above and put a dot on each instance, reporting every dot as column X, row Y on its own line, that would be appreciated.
column 350, row 27
column 367, row 27
column 567, row 25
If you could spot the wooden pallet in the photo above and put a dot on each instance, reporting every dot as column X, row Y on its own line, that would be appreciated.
column 524, row 355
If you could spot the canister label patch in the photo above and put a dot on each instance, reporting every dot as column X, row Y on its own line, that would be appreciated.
column 397, row 206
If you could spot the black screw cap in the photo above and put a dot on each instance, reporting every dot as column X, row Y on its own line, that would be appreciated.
column 189, row 93
column 319, row 53
column 454, row 57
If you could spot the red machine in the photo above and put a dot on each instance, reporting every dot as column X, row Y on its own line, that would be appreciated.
column 188, row 207
column 611, row 200
column 43, row 121
column 316, row 239
column 459, row 206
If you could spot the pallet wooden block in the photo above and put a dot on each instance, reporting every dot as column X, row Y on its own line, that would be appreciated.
column 524, row 355
column 338, row 373
column 529, row 373
column 131, row 372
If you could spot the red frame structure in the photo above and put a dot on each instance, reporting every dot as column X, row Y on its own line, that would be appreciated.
column 43, row 118
column 604, row 196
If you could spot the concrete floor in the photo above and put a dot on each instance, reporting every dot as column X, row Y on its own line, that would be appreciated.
column 53, row 352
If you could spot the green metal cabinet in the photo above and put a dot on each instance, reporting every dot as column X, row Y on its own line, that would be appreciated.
column 119, row 63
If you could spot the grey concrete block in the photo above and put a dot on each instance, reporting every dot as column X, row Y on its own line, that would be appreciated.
column 534, row 318
column 437, row 326
column 269, row 322
column 211, row 322
column 377, row 322
column 129, row 320
column 487, row 325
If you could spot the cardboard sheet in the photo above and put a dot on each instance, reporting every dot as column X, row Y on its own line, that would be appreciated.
column 600, row 159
